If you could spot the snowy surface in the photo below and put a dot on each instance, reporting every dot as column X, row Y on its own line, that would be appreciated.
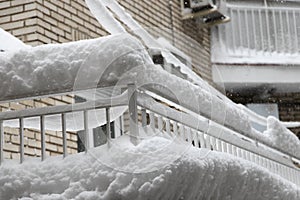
column 57, row 68
column 9, row 43
column 158, row 168
column 281, row 137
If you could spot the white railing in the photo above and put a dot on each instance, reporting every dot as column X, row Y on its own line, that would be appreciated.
column 261, row 29
column 157, row 115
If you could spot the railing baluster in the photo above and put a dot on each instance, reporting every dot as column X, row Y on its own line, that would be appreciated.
column 43, row 142
column 86, row 130
column 268, row 30
column 282, row 31
column 168, row 128
column 289, row 31
column 224, row 147
column 160, row 123
column 275, row 31
column 247, row 28
column 144, row 117
column 64, row 134
column 175, row 128
column 152, row 121
column 240, row 27
column 296, row 31
column 1, row 142
column 261, row 31
column 197, row 139
column 202, row 140
column 254, row 28
column 213, row 143
column 108, row 131
column 233, row 32
column 21, row 130
column 207, row 141
column 133, row 114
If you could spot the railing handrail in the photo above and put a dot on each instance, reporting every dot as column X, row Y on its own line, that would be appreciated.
column 228, row 135
column 228, row 5
column 120, row 100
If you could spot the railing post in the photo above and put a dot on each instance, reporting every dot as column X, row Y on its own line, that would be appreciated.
column 86, row 130
column 108, row 131
column 1, row 142
column 21, row 122
column 43, row 143
column 64, row 134
column 133, row 116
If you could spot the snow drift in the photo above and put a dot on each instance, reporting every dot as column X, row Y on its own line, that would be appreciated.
column 158, row 168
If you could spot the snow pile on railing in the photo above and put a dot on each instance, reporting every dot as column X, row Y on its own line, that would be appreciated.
column 9, row 43
column 65, row 67
column 281, row 137
column 157, row 168
column 193, row 97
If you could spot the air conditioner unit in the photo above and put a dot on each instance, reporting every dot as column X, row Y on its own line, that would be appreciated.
column 196, row 8
column 206, row 10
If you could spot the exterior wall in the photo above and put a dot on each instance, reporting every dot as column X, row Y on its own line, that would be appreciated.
column 39, row 22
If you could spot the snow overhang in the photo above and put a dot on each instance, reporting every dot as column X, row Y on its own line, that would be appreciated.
column 282, row 78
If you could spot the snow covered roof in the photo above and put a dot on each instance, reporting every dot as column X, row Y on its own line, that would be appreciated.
column 157, row 168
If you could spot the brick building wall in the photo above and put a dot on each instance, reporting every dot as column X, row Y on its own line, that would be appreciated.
column 39, row 22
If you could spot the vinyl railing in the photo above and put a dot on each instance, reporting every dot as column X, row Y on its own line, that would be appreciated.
column 146, row 111
column 261, row 29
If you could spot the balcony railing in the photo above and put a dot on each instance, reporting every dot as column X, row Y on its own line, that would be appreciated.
column 260, row 30
column 146, row 112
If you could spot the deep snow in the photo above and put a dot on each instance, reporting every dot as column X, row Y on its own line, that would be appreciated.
column 57, row 68
column 158, row 168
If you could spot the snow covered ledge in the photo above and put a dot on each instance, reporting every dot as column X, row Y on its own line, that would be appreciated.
column 284, row 78
column 58, row 68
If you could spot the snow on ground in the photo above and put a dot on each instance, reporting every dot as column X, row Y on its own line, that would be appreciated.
column 157, row 168
column 65, row 67
column 9, row 43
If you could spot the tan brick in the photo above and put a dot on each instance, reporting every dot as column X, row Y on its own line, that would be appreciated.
column 15, row 139
column 12, row 131
column 30, row 6
column 23, row 31
column 11, row 10
column 24, row 15
column 4, row 4
column 56, row 140
column 7, row 155
column 29, row 22
column 5, row 19
column 50, row 5
column 29, row 134
column 72, row 144
column 51, row 35
column 51, row 147
column 43, row 9
column 12, row 25
column 18, row 2
column 15, row 156
column 30, row 151
column 11, row 147
column 57, row 16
